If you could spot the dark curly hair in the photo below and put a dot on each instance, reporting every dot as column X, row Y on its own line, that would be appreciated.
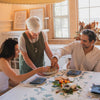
column 91, row 34
column 7, row 49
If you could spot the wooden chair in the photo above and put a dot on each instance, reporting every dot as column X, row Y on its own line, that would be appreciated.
column 68, row 64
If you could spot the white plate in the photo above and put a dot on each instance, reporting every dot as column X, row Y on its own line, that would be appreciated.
column 50, row 73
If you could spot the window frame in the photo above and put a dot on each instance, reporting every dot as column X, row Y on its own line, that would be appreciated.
column 89, row 7
column 63, row 16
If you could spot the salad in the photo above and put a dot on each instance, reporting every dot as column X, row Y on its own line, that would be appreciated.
column 65, row 85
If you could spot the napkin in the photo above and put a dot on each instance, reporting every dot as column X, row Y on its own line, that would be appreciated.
column 73, row 72
column 38, row 80
column 95, row 89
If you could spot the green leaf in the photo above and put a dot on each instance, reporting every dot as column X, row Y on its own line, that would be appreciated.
column 56, row 84
column 70, row 91
column 79, row 87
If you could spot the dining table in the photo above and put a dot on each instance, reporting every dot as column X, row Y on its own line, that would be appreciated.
column 46, row 91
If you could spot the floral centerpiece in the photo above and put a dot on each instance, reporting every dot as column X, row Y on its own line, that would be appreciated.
column 65, row 85
column 93, row 26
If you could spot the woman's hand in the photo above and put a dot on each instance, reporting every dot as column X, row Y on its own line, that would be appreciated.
column 54, row 61
column 40, row 69
column 43, row 69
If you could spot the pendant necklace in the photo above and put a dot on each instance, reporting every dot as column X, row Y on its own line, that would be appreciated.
column 36, row 50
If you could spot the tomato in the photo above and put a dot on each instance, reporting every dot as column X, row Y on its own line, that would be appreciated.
column 61, row 85
column 66, row 81
column 60, row 81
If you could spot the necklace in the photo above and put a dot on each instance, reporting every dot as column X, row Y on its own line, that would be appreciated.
column 32, row 41
column 36, row 50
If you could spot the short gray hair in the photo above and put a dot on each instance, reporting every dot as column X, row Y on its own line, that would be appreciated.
column 33, row 24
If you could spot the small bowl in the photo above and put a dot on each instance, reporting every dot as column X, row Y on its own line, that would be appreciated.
column 51, row 71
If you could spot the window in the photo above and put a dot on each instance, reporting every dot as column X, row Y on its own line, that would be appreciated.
column 89, row 11
column 60, row 16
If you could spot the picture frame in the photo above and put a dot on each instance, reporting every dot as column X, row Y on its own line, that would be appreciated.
column 20, row 17
column 39, row 12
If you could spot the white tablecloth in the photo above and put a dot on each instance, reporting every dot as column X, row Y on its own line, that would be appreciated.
column 47, row 92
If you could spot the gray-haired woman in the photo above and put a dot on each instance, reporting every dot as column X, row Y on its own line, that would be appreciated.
column 32, row 45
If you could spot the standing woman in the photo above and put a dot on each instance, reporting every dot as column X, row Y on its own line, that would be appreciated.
column 8, row 51
column 32, row 45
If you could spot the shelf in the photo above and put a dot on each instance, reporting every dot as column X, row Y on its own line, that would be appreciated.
column 6, row 21
column 45, row 30
column 46, row 18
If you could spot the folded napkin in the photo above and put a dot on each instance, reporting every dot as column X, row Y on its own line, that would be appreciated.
column 73, row 72
column 95, row 89
column 38, row 80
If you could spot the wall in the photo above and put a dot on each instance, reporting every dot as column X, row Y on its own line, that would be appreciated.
column 73, row 17
column 5, row 17
column 5, row 12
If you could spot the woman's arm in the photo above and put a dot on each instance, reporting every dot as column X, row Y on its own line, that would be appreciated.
column 48, row 51
column 49, row 54
column 6, row 68
column 28, row 60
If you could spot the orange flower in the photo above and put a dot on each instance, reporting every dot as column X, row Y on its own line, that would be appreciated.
column 60, row 81
column 61, row 85
column 66, row 81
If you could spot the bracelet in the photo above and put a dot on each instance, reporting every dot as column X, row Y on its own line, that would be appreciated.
column 54, row 57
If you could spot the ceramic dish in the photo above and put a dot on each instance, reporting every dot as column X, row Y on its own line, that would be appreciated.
column 50, row 73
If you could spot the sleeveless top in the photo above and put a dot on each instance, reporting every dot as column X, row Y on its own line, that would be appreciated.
column 35, row 52
column 4, row 84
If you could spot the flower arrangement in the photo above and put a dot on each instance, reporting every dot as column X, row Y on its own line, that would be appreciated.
column 65, row 85
column 93, row 26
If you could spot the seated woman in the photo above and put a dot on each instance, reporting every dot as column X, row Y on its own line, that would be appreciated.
column 8, row 51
